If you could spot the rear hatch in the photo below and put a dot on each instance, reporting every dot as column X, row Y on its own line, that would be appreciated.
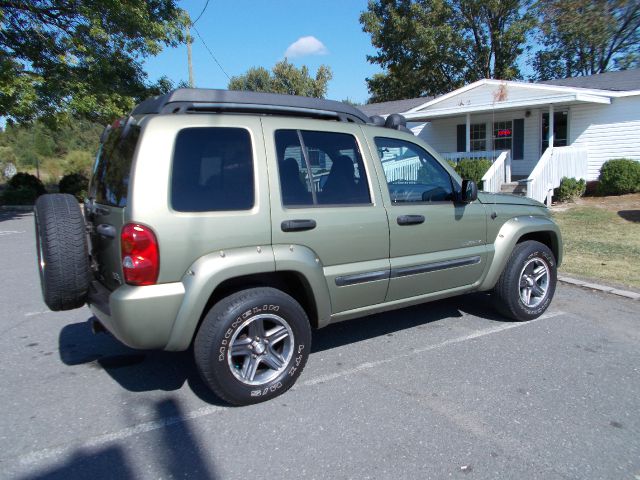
column 107, row 199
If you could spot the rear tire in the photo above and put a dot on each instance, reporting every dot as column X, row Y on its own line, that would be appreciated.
column 253, row 345
column 63, row 258
column 528, row 282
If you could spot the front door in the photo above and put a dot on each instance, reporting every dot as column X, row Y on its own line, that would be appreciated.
column 436, row 244
column 560, row 130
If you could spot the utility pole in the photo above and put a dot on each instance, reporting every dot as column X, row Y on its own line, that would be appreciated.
column 191, row 81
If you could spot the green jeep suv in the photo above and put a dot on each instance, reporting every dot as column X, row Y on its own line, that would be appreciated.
column 236, row 222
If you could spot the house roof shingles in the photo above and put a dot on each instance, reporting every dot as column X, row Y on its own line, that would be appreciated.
column 624, row 80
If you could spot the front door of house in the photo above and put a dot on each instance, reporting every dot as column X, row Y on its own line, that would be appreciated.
column 560, row 130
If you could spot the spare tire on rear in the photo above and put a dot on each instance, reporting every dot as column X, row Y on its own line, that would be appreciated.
column 63, row 256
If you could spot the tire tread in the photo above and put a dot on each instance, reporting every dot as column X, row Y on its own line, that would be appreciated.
column 60, row 228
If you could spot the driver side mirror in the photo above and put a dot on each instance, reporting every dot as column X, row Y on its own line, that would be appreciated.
column 469, row 191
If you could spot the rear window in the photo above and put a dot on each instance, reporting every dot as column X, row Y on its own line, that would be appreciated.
column 110, row 183
column 212, row 170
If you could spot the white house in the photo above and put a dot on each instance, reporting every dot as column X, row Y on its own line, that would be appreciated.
column 586, row 120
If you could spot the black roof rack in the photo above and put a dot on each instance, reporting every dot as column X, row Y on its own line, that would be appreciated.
column 185, row 100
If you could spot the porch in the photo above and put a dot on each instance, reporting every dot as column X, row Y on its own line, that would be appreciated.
column 554, row 164
column 523, row 129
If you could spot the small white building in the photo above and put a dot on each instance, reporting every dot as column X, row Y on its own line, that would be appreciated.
column 586, row 120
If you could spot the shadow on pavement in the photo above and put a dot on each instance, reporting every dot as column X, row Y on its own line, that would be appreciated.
column 176, row 452
column 6, row 215
column 109, row 462
column 134, row 370
column 357, row 330
column 183, row 454
column 142, row 371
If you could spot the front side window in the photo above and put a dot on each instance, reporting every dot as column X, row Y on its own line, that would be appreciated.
column 320, row 168
column 413, row 175
column 212, row 170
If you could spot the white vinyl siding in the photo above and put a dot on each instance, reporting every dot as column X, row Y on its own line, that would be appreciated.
column 608, row 131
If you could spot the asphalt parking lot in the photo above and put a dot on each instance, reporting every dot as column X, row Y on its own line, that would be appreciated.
column 444, row 390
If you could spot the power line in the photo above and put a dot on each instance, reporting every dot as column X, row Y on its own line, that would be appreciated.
column 210, row 52
column 205, row 7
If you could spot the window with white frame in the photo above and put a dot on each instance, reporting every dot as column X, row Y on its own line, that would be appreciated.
column 478, row 137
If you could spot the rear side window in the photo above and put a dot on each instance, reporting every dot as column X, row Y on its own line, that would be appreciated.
column 110, row 183
column 320, row 168
column 212, row 170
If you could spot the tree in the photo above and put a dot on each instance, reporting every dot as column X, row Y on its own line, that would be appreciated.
column 584, row 37
column 284, row 78
column 80, row 56
column 429, row 47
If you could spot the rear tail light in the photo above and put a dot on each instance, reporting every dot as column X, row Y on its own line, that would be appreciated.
column 140, row 256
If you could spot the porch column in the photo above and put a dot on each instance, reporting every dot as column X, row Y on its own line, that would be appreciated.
column 551, row 126
column 468, row 132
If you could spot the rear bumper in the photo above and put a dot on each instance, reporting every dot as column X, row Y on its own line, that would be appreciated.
column 140, row 317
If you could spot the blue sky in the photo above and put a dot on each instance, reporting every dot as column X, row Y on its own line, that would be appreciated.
column 247, row 33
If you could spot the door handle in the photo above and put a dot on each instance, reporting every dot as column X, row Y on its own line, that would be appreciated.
column 297, row 225
column 410, row 219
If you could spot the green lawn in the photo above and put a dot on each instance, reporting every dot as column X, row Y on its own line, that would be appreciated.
column 600, row 244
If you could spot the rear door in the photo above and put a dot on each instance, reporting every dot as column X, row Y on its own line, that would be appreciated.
column 323, row 199
column 108, row 197
column 436, row 243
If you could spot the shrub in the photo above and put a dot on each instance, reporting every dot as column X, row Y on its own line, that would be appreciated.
column 76, row 184
column 473, row 169
column 570, row 189
column 620, row 176
column 26, row 180
column 77, row 161
column 22, row 189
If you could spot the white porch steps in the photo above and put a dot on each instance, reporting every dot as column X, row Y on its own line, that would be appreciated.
column 517, row 188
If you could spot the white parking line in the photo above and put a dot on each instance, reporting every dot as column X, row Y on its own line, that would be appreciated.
column 31, row 314
column 39, row 456
column 48, row 453
column 4, row 233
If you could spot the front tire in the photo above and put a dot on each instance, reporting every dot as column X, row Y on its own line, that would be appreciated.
column 253, row 345
column 528, row 282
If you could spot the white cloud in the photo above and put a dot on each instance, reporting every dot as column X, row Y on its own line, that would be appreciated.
column 306, row 46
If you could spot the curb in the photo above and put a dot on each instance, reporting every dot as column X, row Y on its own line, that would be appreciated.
column 600, row 288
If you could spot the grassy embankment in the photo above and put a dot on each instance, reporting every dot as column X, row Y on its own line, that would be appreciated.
column 602, row 239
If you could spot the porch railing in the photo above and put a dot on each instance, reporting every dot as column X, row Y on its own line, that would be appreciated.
column 457, row 156
column 556, row 163
column 406, row 169
column 498, row 173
